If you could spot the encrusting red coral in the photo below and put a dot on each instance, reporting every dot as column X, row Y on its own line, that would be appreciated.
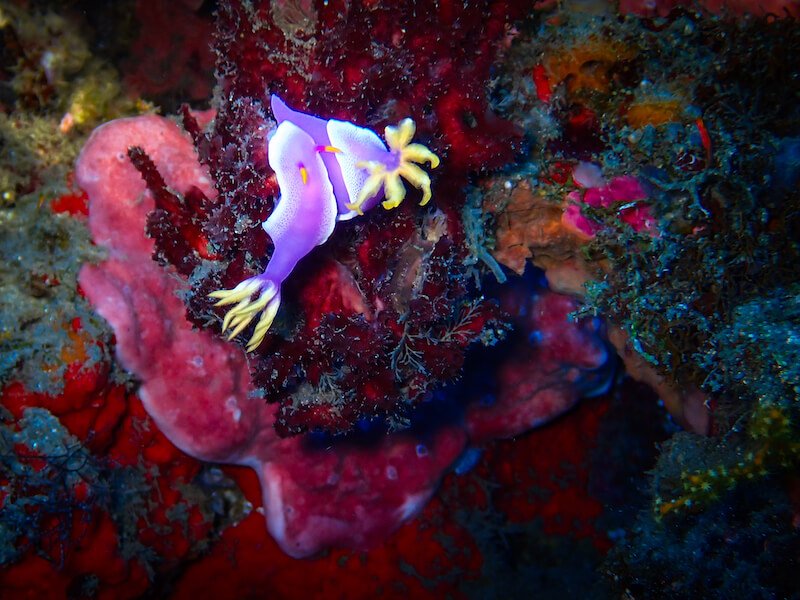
column 82, row 536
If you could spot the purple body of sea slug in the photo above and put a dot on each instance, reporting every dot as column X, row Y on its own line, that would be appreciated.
column 327, row 171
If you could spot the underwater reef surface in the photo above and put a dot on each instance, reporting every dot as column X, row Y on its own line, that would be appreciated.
column 349, row 268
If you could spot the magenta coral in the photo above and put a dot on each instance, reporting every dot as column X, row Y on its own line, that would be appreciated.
column 624, row 193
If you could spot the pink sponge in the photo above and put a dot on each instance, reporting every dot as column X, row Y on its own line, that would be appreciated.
column 184, row 373
column 198, row 391
column 197, row 387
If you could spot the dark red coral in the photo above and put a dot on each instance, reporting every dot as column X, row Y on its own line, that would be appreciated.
column 177, row 219
column 379, row 333
column 170, row 56
column 376, row 63
column 383, row 313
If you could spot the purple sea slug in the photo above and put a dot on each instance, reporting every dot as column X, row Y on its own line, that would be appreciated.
column 327, row 171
